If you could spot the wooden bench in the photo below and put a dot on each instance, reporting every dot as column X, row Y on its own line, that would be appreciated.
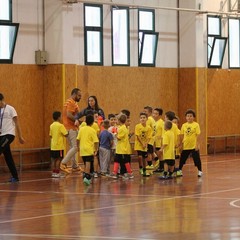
column 21, row 151
column 225, row 138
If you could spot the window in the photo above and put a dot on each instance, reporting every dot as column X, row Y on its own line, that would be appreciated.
column 216, row 43
column 120, row 36
column 93, row 34
column 234, row 42
column 148, row 38
column 8, row 32
column 6, row 10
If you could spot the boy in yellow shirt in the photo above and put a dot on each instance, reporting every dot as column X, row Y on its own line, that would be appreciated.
column 168, row 149
column 189, row 136
column 87, row 141
column 143, row 134
column 57, row 133
column 122, row 149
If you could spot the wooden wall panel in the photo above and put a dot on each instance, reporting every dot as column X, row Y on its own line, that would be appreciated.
column 132, row 88
column 53, row 96
column 223, row 101
column 22, row 86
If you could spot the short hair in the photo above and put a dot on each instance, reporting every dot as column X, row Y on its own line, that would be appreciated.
column 122, row 118
column 1, row 97
column 126, row 112
column 106, row 124
column 176, row 117
column 170, row 115
column 143, row 114
column 111, row 115
column 56, row 115
column 89, row 119
column 75, row 91
column 159, row 110
column 190, row 111
column 148, row 108
column 168, row 125
column 88, row 112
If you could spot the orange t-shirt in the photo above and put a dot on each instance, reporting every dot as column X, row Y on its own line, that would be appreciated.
column 69, row 106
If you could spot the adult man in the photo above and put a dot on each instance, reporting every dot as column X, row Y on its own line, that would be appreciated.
column 70, row 109
column 8, row 124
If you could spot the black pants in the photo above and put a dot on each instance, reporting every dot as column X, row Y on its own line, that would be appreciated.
column 5, row 142
column 195, row 155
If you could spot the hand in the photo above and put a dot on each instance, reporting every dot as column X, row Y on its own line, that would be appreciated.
column 76, row 123
column 21, row 140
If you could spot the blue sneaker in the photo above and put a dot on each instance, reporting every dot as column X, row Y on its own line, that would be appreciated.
column 13, row 180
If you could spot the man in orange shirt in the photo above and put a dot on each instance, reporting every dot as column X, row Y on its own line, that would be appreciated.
column 70, row 109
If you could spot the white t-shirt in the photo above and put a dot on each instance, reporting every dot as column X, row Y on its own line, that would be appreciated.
column 6, row 120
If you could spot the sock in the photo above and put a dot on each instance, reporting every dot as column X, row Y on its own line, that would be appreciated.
column 149, row 163
column 156, row 158
column 115, row 167
column 170, row 173
column 165, row 173
column 128, row 167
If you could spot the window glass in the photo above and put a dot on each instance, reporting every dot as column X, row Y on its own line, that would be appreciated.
column 233, row 43
column 5, row 10
column 214, row 26
column 120, row 36
column 93, row 46
column 92, row 16
column 146, row 20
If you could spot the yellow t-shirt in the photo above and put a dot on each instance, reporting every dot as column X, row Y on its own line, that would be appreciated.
column 87, row 137
column 169, row 150
column 175, row 131
column 129, row 148
column 177, row 150
column 94, row 126
column 159, row 133
column 57, row 133
column 151, row 122
column 122, row 146
column 190, row 132
column 145, row 134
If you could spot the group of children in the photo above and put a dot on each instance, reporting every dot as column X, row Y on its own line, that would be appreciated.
column 157, row 142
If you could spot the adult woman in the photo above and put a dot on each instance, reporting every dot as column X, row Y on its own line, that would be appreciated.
column 92, row 105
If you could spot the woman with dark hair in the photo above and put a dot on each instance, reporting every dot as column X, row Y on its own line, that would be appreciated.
column 92, row 105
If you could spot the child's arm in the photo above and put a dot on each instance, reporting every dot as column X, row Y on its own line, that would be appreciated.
column 197, row 143
column 96, row 145
column 141, row 142
column 162, row 148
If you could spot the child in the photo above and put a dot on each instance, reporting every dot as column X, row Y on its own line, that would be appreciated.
column 87, row 141
column 122, row 149
column 168, row 149
column 113, row 129
column 57, row 133
column 177, row 149
column 157, row 114
column 189, row 136
column 143, row 134
column 150, row 122
column 105, row 143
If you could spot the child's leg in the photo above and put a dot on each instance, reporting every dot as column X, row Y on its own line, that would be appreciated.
column 53, row 168
column 183, row 158
column 150, row 155
column 86, row 175
column 127, row 160
column 197, row 160
column 57, row 164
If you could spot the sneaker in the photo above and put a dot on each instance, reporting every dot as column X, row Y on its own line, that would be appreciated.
column 64, row 168
column 146, row 174
column 13, row 180
column 141, row 171
column 150, row 167
column 113, row 175
column 95, row 175
column 164, row 177
column 158, row 170
column 156, row 165
column 128, row 176
column 54, row 175
column 200, row 173
column 86, row 181
column 77, row 169
column 179, row 173
column 170, row 177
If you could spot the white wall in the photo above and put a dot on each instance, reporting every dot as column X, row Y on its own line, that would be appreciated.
column 64, row 32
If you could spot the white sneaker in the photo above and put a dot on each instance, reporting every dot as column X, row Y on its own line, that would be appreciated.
column 200, row 173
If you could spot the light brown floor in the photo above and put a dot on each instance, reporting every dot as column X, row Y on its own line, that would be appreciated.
column 143, row 208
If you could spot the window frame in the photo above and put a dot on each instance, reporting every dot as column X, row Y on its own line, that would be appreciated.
column 93, row 29
column 16, row 25
column 213, row 48
column 212, row 35
column 128, row 35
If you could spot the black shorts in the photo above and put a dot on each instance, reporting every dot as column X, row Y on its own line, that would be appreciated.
column 150, row 148
column 141, row 153
column 88, row 159
column 57, row 154
column 157, row 148
column 170, row 162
